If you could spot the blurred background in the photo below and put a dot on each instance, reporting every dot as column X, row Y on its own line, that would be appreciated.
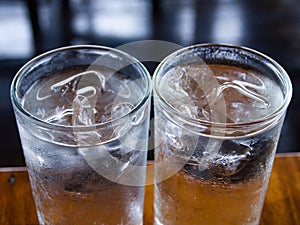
column 30, row 27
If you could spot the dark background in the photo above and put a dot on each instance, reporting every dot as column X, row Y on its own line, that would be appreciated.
column 28, row 28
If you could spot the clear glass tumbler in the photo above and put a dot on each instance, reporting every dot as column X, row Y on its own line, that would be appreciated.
column 83, row 119
column 219, row 110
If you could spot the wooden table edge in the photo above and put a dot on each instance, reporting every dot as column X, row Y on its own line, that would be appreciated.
column 291, row 160
column 23, row 168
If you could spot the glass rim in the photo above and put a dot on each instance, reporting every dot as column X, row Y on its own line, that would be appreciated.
column 284, row 78
column 17, row 103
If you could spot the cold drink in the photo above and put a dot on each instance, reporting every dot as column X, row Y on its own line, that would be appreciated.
column 84, row 147
column 215, row 139
column 84, row 197
column 197, row 201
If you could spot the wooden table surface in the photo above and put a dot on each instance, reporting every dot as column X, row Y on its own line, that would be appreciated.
column 282, row 204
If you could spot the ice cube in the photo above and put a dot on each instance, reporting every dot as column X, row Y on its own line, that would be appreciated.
column 173, row 91
column 121, row 109
column 235, row 161
column 60, row 116
column 87, row 90
column 115, row 163
column 191, row 89
column 83, row 111
column 78, row 81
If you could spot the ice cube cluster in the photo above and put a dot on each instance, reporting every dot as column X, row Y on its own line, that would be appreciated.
column 202, row 91
column 80, row 97
column 234, row 161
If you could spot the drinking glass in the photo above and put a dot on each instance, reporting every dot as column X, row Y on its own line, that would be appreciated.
column 219, row 110
column 83, row 119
